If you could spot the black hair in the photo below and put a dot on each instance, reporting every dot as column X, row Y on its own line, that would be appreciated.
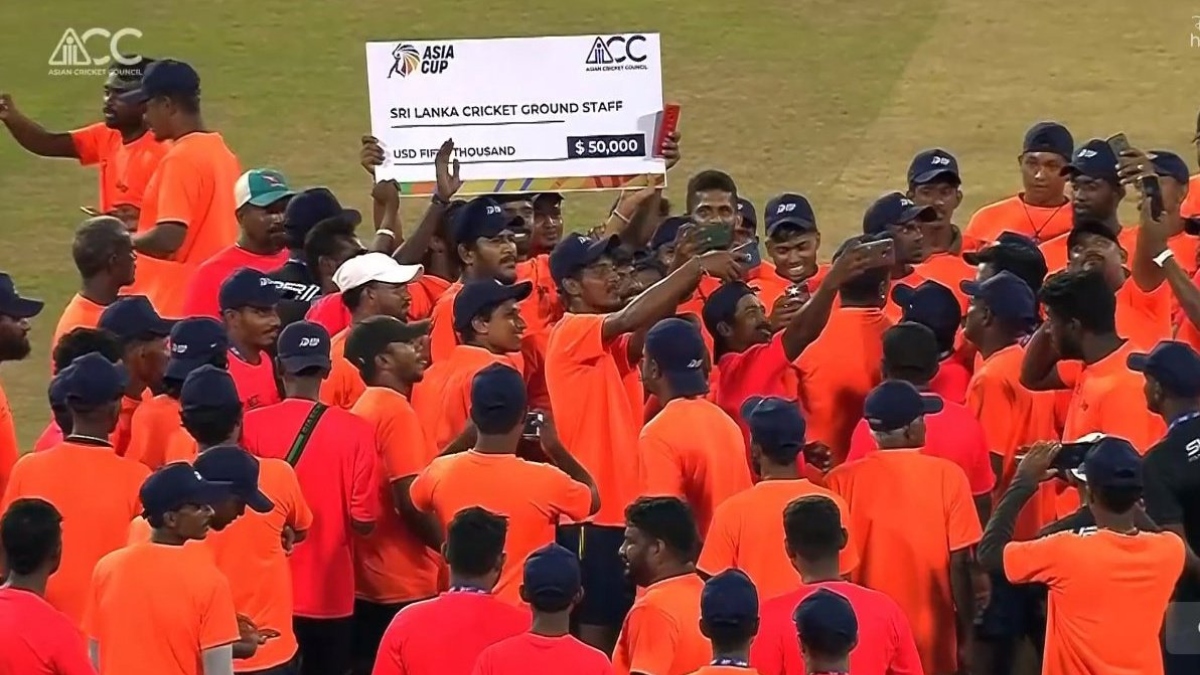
column 710, row 179
column 911, row 353
column 1029, row 268
column 322, row 240
column 812, row 528
column 353, row 297
column 96, row 242
column 211, row 425
column 155, row 521
column 669, row 520
column 788, row 230
column 62, row 417
column 1117, row 499
column 559, row 604
column 188, row 103
column 1084, row 296
column 82, row 341
column 31, row 532
column 475, row 541
column 866, row 286
column 828, row 645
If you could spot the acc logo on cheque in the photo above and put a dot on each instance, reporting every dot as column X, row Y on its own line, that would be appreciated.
column 407, row 59
column 617, row 53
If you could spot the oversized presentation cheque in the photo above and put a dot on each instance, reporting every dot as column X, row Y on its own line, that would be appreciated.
column 543, row 114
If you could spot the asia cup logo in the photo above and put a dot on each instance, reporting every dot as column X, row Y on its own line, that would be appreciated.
column 407, row 60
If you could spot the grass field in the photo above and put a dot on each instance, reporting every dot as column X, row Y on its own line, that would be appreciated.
column 827, row 98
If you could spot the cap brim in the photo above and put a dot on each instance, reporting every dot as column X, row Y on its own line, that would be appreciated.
column 798, row 222
column 931, row 404
column 269, row 198
column 601, row 248
column 210, row 492
column 978, row 257
column 178, row 369
column 750, row 404
column 160, row 328
column 922, row 214
column 259, row 502
column 934, row 174
column 970, row 286
column 23, row 308
column 1137, row 361
column 134, row 96
column 295, row 364
column 399, row 274
column 902, row 294
column 518, row 291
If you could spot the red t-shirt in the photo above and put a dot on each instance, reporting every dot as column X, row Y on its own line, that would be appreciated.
column 951, row 381
column 330, row 312
column 445, row 635
column 761, row 370
column 885, row 640
column 205, row 285
column 255, row 382
column 337, row 477
column 530, row 654
column 954, row 434
column 36, row 639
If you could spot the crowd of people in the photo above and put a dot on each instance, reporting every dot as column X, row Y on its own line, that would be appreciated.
column 281, row 443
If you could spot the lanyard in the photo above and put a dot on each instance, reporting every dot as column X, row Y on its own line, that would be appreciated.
column 468, row 589
column 87, row 440
column 1182, row 419
column 736, row 663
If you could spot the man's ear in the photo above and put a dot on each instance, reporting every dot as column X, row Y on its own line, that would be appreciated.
column 572, row 287
column 724, row 329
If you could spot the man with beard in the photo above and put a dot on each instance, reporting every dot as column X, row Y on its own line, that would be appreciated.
column 896, row 216
column 103, row 255
column 15, row 313
column 247, row 301
column 262, row 196
column 126, row 154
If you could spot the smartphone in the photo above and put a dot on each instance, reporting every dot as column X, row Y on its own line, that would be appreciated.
column 90, row 211
column 1071, row 455
column 533, row 425
column 667, row 122
column 1118, row 143
column 750, row 256
column 881, row 252
column 1152, row 189
column 1192, row 226
column 713, row 237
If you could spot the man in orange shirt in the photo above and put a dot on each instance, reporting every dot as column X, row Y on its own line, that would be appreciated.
column 661, row 634
column 1013, row 253
column 126, row 154
column 397, row 563
column 828, row 631
column 1041, row 211
column 15, row 313
column 189, row 213
column 445, row 635
column 792, row 244
column 548, row 493
column 729, row 619
column 162, row 587
column 691, row 449
column 933, row 305
column 1172, row 173
column 745, row 531
column 901, row 219
column 103, row 254
column 926, row 570
column 76, row 473
column 247, row 301
column 73, row 345
column 261, row 195
column 143, row 339
column 1109, row 588
column 934, row 180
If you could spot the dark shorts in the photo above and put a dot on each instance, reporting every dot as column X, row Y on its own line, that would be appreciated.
column 326, row 645
column 607, row 592
column 371, row 620
column 1014, row 612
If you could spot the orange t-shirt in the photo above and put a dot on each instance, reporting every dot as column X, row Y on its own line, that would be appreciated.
column 949, row 270
column 892, row 310
column 837, row 371
column 747, row 533
column 129, row 405
column 174, row 593
column 392, row 564
column 79, row 313
column 908, row 513
column 533, row 654
column 344, row 385
column 442, row 398
column 423, row 294
column 125, row 168
column 1040, row 223
column 593, row 413
column 725, row 670
column 1187, row 331
column 203, row 293
column 1108, row 595
column 533, row 496
column 1191, row 205
column 1144, row 318
column 255, row 382
column 661, row 634
column 769, row 284
column 97, row 494
column 9, row 450
column 1108, row 399
column 153, row 422
column 1013, row 418
column 693, row 451
column 1057, row 255
column 193, row 186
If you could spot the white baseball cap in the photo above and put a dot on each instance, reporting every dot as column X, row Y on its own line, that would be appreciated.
column 368, row 267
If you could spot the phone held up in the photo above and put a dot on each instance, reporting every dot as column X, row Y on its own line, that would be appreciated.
column 748, row 255
column 1150, row 186
column 534, row 421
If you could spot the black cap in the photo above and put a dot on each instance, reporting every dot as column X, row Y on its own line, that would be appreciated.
column 776, row 426
column 132, row 317
column 827, row 618
column 894, row 405
column 792, row 209
column 721, row 305
column 233, row 465
column 482, row 217
column 167, row 77
column 92, row 380
column 176, row 485
column 13, row 305
column 209, row 387
column 894, row 209
column 474, row 296
column 574, row 253
column 1006, row 296
column 1082, row 228
column 1049, row 137
column 1094, row 159
column 1171, row 165
column 313, row 206
column 368, row 338
column 303, row 345
column 930, row 304
column 667, row 231
column 677, row 348
column 248, row 288
column 729, row 599
column 497, row 399
column 933, row 165
column 1112, row 463
column 194, row 342
column 1173, row 364
column 552, row 577
column 745, row 209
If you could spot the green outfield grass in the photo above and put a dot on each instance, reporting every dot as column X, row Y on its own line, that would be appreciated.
column 823, row 97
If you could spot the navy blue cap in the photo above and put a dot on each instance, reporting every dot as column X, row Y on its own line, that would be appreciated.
column 1084, row 227
column 194, row 342
column 1049, row 137
column 678, row 349
column 57, row 391
column 482, row 217
column 132, row 317
column 176, row 485
column 729, row 599
column 667, row 231
column 1009, row 246
column 233, row 465
column 311, row 206
column 1006, row 296
column 475, row 296
column 576, row 252
column 248, row 288
column 1094, row 159
column 930, row 304
column 165, row 77
column 497, row 399
column 776, row 425
column 792, row 209
column 302, row 345
column 932, row 165
column 721, row 305
column 894, row 209
column 1167, row 163
column 93, row 380
column 1112, row 462
column 1173, row 364
column 552, row 577
column 209, row 387
column 746, row 210
column 894, row 404
column 826, row 617
column 12, row 304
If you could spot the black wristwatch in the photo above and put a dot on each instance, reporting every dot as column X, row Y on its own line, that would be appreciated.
column 437, row 199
